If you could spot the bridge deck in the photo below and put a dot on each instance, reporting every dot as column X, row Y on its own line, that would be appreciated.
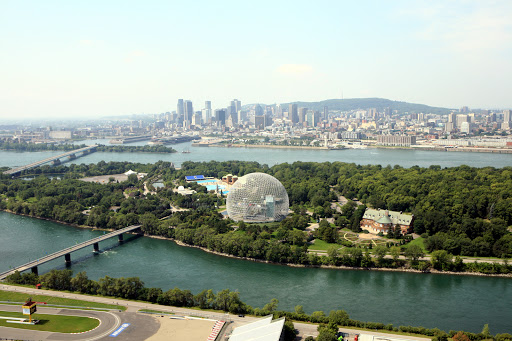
column 61, row 253
column 41, row 162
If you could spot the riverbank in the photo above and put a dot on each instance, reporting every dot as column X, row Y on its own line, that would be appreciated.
column 271, row 146
column 340, row 267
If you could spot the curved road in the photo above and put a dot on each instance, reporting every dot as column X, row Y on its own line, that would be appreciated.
column 108, row 323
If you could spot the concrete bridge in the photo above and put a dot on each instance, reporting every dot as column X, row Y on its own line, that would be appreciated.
column 32, row 265
column 54, row 159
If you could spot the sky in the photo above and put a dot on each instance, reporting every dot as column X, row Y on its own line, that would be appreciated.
column 67, row 59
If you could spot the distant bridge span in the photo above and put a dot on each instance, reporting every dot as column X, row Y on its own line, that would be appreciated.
column 54, row 159
column 32, row 265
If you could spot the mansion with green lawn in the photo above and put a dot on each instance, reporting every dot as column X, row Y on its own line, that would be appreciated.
column 376, row 221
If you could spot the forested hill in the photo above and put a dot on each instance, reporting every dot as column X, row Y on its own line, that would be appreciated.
column 365, row 103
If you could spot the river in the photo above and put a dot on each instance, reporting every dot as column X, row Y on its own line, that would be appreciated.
column 449, row 302
column 379, row 156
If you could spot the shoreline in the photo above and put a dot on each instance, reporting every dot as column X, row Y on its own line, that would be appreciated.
column 333, row 267
column 427, row 148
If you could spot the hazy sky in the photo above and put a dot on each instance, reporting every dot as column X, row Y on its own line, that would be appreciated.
column 96, row 58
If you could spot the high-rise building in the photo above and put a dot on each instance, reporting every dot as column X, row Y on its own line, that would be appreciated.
column 313, row 118
column 293, row 114
column 460, row 119
column 208, row 105
column 507, row 123
column 258, row 110
column 259, row 122
column 326, row 113
column 196, row 119
column 206, row 115
column 506, row 116
column 236, row 105
column 181, row 109
column 220, row 116
column 302, row 115
column 189, row 111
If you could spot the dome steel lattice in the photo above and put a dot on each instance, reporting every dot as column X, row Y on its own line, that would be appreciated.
column 257, row 197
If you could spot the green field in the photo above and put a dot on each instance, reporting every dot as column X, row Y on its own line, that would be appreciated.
column 320, row 245
column 19, row 297
column 52, row 323
column 417, row 241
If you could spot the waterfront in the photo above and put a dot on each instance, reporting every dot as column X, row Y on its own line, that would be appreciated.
column 384, row 157
column 443, row 301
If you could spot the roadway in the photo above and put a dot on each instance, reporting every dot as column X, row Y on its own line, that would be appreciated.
column 305, row 329
column 61, row 253
column 50, row 159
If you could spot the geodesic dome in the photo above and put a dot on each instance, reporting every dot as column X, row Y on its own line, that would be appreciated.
column 257, row 197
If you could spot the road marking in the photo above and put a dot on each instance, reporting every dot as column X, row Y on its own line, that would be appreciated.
column 120, row 329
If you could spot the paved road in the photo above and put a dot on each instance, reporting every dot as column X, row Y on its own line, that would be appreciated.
column 304, row 329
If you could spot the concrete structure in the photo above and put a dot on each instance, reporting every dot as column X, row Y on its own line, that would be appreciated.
column 262, row 330
column 257, row 197
column 396, row 140
column 32, row 265
column 60, row 135
column 376, row 221
column 54, row 159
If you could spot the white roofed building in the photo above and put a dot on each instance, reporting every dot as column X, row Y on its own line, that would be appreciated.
column 261, row 330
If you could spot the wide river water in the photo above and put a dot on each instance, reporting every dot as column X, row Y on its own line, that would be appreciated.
column 402, row 157
column 443, row 301
column 449, row 302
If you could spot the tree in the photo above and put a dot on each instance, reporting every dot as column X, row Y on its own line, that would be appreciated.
column 80, row 282
column 485, row 331
column 380, row 251
column 441, row 260
column 327, row 332
column 333, row 253
column 413, row 253
column 272, row 306
column 395, row 253
column 460, row 336
column 339, row 317
column 290, row 333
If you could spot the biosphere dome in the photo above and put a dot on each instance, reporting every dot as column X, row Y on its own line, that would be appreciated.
column 257, row 197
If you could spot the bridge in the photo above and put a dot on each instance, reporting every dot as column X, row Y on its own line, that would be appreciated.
column 32, row 265
column 54, row 159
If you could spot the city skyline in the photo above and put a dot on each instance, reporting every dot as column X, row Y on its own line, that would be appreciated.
column 102, row 59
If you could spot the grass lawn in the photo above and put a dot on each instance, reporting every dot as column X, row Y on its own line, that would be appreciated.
column 20, row 297
column 52, row 323
column 321, row 245
column 417, row 241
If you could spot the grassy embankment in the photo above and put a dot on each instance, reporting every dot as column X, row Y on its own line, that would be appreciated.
column 51, row 300
column 52, row 323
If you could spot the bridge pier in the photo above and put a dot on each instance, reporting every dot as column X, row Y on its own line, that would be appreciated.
column 120, row 238
column 72, row 156
column 96, row 247
column 34, row 270
column 56, row 162
column 67, row 259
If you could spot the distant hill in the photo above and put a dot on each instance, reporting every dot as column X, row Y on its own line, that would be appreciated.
column 365, row 103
